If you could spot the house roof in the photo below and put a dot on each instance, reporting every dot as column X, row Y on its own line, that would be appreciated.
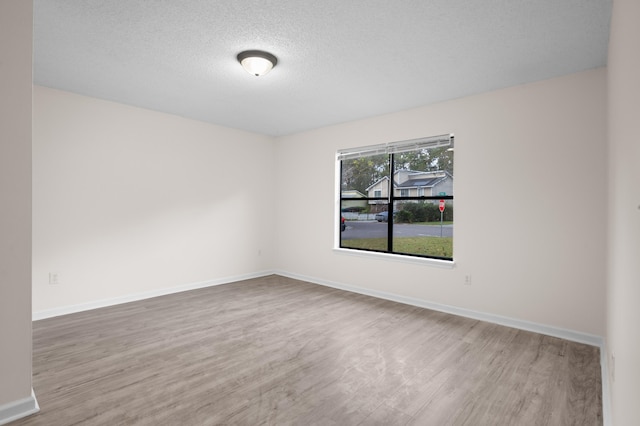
column 352, row 193
column 424, row 179
column 417, row 179
column 377, row 182
column 412, row 183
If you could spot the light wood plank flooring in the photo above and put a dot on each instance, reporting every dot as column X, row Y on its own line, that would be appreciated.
column 278, row 351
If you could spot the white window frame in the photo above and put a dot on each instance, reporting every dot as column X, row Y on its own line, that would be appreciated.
column 387, row 148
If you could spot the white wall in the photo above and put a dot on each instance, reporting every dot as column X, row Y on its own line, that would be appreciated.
column 129, row 201
column 530, row 187
column 15, row 201
column 623, row 314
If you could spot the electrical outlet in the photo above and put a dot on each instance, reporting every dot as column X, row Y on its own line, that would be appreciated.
column 467, row 279
column 53, row 278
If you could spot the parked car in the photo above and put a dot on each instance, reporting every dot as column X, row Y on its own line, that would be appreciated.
column 382, row 217
column 343, row 225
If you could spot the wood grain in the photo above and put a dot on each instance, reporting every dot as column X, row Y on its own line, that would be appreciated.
column 273, row 351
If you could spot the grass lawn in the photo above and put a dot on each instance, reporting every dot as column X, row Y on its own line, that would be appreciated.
column 429, row 246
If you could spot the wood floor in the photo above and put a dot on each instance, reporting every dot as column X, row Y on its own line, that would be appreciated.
column 277, row 351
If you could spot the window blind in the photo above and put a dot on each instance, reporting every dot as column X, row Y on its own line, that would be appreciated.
column 396, row 147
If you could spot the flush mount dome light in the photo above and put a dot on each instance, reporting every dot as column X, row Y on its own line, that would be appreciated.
column 257, row 62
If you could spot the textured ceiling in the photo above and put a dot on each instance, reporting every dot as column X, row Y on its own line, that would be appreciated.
column 339, row 60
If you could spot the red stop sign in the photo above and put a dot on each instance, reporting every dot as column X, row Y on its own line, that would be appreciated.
column 441, row 206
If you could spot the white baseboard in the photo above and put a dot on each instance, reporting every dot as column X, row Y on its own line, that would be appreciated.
column 71, row 309
column 574, row 336
column 548, row 330
column 19, row 409
column 607, row 420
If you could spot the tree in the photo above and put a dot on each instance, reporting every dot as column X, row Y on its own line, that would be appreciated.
column 425, row 160
column 360, row 173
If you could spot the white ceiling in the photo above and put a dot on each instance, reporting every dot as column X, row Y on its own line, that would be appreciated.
column 339, row 60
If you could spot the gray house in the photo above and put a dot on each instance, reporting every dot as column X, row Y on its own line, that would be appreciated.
column 422, row 184
column 410, row 183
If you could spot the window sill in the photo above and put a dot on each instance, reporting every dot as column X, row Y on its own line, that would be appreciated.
column 446, row 264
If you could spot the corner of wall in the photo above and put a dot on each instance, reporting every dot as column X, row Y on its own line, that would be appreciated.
column 19, row 409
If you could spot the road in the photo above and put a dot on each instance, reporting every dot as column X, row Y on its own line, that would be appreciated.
column 357, row 230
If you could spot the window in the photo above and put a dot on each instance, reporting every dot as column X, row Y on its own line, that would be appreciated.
column 395, row 216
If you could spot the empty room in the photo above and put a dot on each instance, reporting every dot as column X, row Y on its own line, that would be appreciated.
column 328, row 213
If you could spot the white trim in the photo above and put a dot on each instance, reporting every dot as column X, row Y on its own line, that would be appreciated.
column 22, row 408
column 336, row 207
column 574, row 336
column 18, row 409
column 607, row 419
column 395, row 257
column 71, row 309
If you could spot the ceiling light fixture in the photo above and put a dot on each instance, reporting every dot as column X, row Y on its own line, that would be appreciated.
column 257, row 62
